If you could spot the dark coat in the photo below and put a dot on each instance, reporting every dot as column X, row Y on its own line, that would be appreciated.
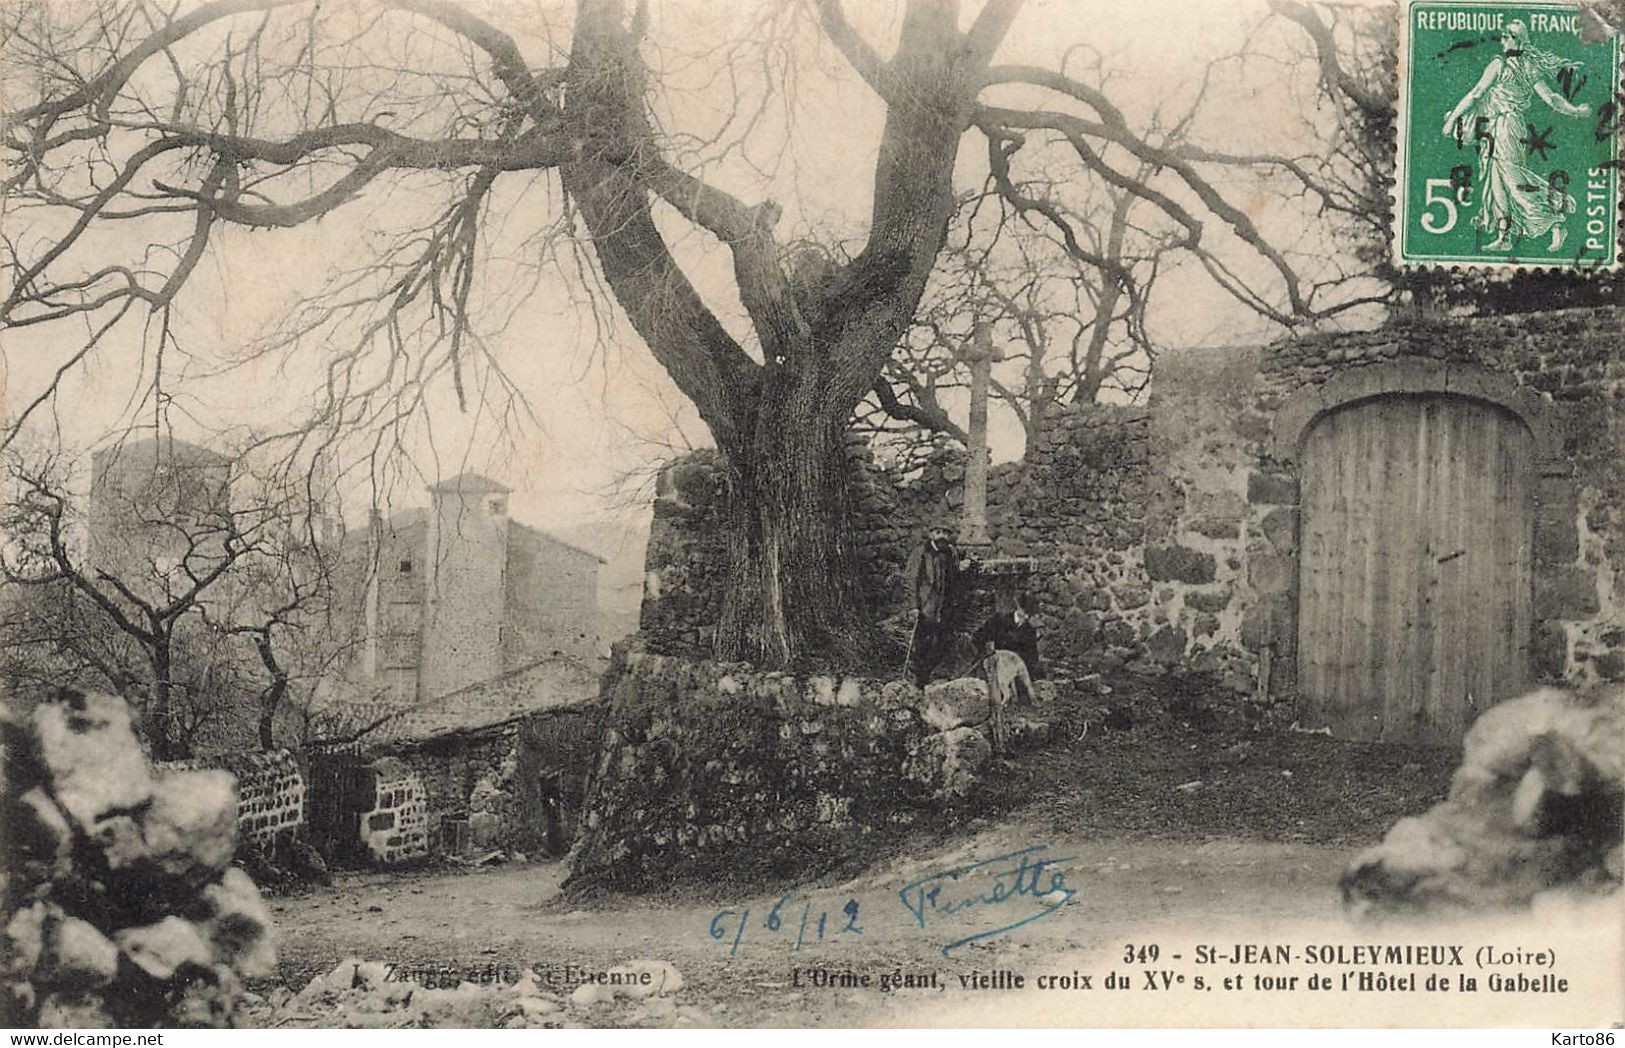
column 933, row 578
column 1006, row 634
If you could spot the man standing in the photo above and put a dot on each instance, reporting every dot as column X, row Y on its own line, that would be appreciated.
column 933, row 579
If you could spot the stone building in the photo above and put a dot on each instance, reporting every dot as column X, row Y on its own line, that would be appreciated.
column 459, row 593
column 1381, row 533
column 154, row 504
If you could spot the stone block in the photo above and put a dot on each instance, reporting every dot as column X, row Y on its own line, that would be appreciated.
column 76, row 955
column 90, row 752
column 1212, row 601
column 1549, row 649
column 1179, row 564
column 956, row 703
column 239, row 926
column 1557, row 541
column 74, row 1009
column 1271, row 575
column 950, row 762
column 1273, row 489
column 167, row 948
column 24, row 939
column 904, row 694
column 1257, row 627
column 1167, row 645
column 485, row 829
column 1566, row 593
column 191, row 826
column 1131, row 597
column 1119, row 634
column 821, row 690
column 40, row 831
column 1280, row 527
column 1216, row 527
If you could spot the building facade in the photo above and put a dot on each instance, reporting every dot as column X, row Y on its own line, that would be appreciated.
column 156, row 505
column 459, row 593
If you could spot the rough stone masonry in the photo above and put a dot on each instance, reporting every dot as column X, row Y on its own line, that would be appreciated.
column 122, row 908
column 1166, row 537
column 714, row 770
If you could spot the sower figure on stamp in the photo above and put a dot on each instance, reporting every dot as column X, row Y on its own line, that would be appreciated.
column 1514, row 200
column 1008, row 643
column 933, row 579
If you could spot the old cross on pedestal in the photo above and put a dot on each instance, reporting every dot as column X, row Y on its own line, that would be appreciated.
column 980, row 355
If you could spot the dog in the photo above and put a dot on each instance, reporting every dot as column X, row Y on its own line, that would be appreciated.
column 1008, row 682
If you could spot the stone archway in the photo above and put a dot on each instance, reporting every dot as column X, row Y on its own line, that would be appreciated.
column 1417, row 497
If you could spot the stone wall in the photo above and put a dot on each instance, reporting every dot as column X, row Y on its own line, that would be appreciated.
column 465, row 608
column 552, row 599
column 469, row 777
column 687, row 558
column 516, row 786
column 1563, row 373
column 395, row 826
column 270, row 791
column 699, row 758
column 1166, row 537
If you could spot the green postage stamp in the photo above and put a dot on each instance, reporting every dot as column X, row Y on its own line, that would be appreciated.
column 1509, row 136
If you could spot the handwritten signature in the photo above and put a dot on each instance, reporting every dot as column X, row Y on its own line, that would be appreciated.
column 1025, row 873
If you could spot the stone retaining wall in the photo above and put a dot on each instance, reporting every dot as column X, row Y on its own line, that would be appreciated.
column 711, row 771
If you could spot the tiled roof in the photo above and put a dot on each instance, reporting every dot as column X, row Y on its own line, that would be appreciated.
column 539, row 533
column 546, row 684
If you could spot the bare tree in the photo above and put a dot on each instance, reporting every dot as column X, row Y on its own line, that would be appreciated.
column 1351, row 51
column 160, row 600
column 1069, row 329
column 167, row 125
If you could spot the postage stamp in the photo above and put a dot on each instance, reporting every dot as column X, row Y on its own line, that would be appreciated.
column 1509, row 136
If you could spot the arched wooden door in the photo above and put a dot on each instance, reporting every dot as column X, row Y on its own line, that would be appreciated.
column 1414, row 598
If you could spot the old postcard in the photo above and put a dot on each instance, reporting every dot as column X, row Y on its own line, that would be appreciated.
column 529, row 514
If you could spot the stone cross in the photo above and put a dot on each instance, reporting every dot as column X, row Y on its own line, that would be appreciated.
column 980, row 355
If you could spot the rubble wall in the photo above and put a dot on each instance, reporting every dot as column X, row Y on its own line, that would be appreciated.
column 712, row 771
column 270, row 791
column 395, row 826
column 1165, row 537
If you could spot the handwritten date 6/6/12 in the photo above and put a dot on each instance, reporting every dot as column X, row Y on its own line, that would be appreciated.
column 783, row 920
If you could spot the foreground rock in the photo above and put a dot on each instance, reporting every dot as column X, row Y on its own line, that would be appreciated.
column 1535, row 807
column 124, row 912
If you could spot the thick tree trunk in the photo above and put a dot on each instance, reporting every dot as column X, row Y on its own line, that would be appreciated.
column 792, row 596
column 779, row 413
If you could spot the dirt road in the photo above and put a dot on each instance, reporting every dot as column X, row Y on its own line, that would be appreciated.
column 1076, row 898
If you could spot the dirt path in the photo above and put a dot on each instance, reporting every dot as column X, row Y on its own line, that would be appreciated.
column 512, row 916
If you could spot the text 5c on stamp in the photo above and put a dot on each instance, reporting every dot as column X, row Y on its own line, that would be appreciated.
column 1509, row 136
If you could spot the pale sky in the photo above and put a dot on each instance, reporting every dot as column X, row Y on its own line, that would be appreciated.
column 602, row 407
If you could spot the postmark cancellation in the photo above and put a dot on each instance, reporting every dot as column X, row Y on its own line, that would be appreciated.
column 1509, row 133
